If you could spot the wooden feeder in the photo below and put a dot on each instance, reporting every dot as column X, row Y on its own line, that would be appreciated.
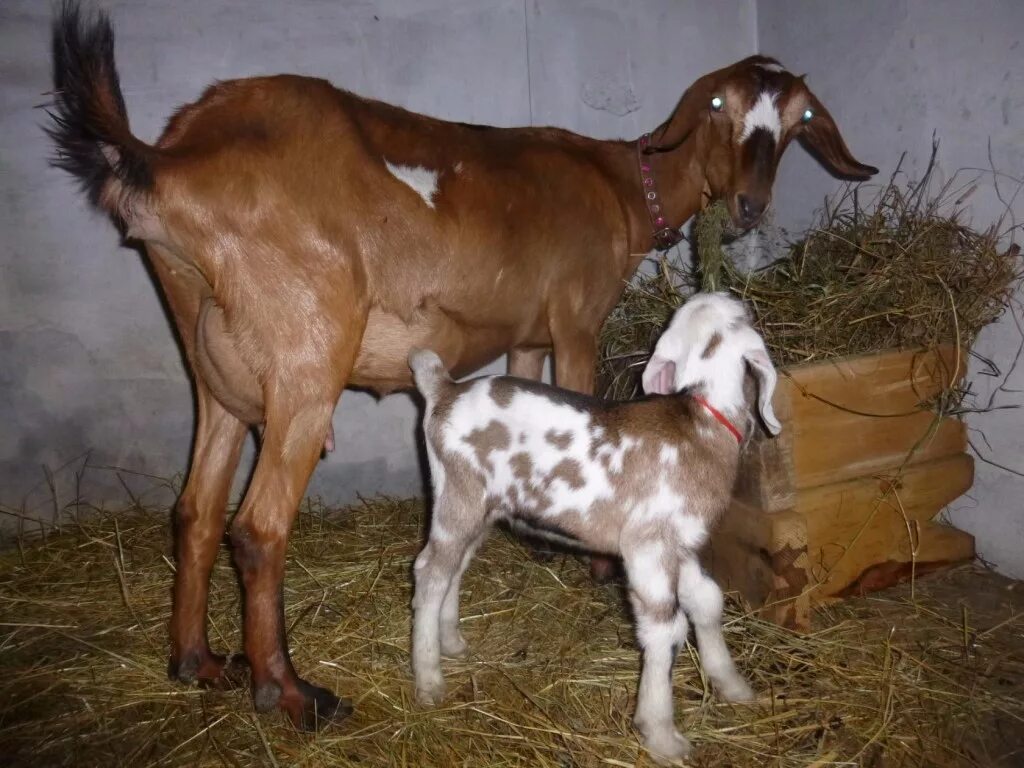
column 844, row 500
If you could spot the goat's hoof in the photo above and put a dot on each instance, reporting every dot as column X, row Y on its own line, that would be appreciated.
column 667, row 745
column 736, row 690
column 430, row 693
column 312, row 708
column 455, row 647
column 209, row 670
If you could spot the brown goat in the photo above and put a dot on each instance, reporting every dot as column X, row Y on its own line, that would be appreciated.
column 307, row 238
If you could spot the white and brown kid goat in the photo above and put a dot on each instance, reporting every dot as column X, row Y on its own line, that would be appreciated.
column 645, row 480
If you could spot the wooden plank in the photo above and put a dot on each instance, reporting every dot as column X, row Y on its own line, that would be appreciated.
column 938, row 547
column 764, row 559
column 832, row 438
column 855, row 524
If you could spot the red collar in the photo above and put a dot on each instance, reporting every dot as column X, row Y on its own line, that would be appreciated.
column 664, row 236
column 720, row 417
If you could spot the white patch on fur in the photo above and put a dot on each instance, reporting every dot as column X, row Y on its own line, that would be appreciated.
column 439, row 533
column 662, row 633
column 663, row 502
column 422, row 181
column 669, row 454
column 616, row 453
column 528, row 418
column 772, row 67
column 691, row 531
column 703, row 598
column 647, row 575
column 764, row 114
column 437, row 471
column 457, row 168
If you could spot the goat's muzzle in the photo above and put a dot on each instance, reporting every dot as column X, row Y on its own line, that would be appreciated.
column 749, row 210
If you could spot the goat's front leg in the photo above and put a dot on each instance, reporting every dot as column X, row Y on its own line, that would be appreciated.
column 527, row 362
column 292, row 441
column 702, row 599
column 660, row 629
column 199, row 530
column 575, row 359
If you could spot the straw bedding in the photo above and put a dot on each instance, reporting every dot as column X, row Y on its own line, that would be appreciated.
column 930, row 678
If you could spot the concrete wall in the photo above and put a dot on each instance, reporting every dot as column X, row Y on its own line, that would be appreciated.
column 893, row 72
column 87, row 358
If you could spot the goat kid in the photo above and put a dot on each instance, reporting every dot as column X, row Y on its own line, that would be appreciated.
column 306, row 239
column 644, row 480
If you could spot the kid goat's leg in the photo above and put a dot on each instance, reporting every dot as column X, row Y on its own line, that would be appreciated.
column 660, row 629
column 453, row 645
column 702, row 599
column 457, row 525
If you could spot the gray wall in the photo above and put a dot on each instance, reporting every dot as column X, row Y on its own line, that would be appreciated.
column 87, row 358
column 892, row 72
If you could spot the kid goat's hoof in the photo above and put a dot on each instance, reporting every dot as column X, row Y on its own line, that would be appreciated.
column 737, row 691
column 669, row 746
column 430, row 693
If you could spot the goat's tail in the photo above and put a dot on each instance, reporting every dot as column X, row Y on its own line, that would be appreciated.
column 89, row 121
column 429, row 373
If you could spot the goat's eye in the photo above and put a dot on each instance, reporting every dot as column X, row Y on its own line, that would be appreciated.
column 807, row 115
column 717, row 103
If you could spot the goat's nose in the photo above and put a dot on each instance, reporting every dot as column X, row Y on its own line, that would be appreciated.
column 750, row 210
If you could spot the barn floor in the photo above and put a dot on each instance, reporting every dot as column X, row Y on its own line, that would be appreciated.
column 932, row 675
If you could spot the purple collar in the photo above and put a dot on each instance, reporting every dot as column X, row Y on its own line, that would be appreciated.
column 664, row 236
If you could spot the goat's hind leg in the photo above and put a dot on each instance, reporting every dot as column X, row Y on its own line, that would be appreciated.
column 701, row 597
column 292, row 442
column 201, row 512
column 453, row 644
column 199, row 527
column 661, row 629
column 456, row 529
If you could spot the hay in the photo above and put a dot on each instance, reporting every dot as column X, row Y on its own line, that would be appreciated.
column 885, row 681
column 904, row 273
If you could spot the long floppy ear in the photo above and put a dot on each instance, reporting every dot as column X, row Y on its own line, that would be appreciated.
column 694, row 107
column 822, row 139
column 762, row 368
column 659, row 376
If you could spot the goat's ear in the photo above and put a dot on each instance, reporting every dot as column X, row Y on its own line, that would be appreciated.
column 693, row 108
column 762, row 368
column 659, row 376
column 822, row 139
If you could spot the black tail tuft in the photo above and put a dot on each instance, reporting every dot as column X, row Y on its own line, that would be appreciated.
column 90, row 123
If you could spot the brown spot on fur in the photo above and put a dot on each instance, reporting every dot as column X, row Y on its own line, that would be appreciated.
column 713, row 343
column 560, row 440
column 522, row 466
column 493, row 437
column 501, row 393
column 570, row 472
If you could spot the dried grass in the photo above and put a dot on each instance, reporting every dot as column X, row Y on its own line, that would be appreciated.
column 904, row 272
column 883, row 682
